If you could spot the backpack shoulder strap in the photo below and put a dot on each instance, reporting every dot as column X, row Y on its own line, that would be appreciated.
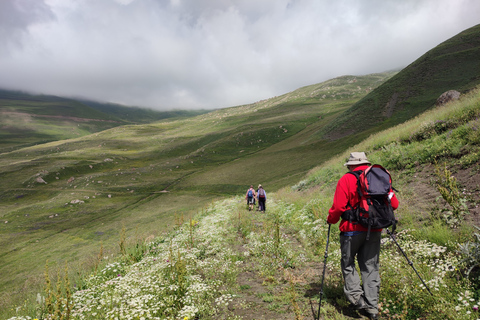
column 356, row 173
column 350, row 214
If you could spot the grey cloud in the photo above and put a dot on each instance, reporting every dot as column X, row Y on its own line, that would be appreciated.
column 215, row 53
column 16, row 16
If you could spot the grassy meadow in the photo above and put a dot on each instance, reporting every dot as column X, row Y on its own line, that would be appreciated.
column 225, row 262
column 62, row 201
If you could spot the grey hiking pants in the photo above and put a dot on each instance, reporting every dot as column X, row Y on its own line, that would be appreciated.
column 367, row 253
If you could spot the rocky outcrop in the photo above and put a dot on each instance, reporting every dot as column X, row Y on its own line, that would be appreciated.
column 446, row 97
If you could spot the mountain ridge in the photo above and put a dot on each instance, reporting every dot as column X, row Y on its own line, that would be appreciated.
column 451, row 65
column 29, row 119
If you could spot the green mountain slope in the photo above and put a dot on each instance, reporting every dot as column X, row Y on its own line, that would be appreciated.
column 268, row 264
column 452, row 65
column 27, row 119
column 136, row 115
column 60, row 200
column 30, row 119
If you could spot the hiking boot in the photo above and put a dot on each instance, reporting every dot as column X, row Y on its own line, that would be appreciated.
column 360, row 304
column 373, row 316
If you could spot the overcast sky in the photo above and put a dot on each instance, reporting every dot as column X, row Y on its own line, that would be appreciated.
column 190, row 54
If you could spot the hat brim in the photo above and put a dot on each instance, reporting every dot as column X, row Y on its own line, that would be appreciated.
column 356, row 163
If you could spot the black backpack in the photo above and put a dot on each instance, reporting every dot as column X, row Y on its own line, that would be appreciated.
column 374, row 210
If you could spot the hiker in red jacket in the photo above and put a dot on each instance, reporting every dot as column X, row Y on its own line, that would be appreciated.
column 355, row 243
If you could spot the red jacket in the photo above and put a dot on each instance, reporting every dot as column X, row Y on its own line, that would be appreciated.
column 346, row 193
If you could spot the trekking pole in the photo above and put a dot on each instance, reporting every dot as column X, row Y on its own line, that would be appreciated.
column 324, row 268
column 408, row 260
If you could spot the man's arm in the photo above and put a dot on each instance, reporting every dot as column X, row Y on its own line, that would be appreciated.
column 394, row 201
column 340, row 201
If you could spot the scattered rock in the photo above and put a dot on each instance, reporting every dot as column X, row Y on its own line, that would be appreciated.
column 77, row 201
column 446, row 97
column 40, row 180
column 71, row 179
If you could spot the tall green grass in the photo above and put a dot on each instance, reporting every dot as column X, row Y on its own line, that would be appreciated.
column 444, row 133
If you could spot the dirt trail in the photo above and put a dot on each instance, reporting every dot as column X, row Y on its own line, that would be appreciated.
column 271, row 298
column 425, row 196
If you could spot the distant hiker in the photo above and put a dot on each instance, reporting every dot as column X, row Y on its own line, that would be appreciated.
column 262, row 197
column 356, row 240
column 250, row 197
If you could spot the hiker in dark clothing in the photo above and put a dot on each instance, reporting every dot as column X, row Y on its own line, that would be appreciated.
column 250, row 197
column 262, row 198
column 357, row 242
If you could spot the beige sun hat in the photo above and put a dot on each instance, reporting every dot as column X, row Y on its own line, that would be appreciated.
column 357, row 158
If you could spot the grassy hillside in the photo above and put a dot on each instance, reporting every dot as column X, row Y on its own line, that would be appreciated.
column 61, row 200
column 452, row 65
column 27, row 119
column 136, row 115
column 230, row 263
